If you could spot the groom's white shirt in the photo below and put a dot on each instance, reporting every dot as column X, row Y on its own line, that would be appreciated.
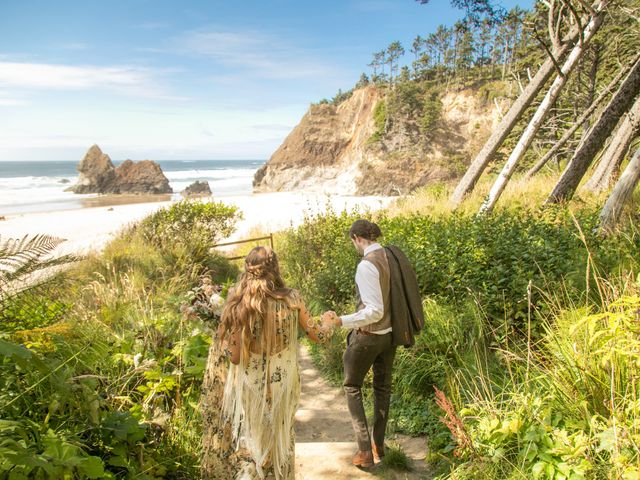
column 368, row 281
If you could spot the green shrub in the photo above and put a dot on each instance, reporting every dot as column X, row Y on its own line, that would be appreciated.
column 31, row 310
column 379, row 121
column 431, row 113
column 190, row 223
column 341, row 97
column 490, row 261
column 319, row 260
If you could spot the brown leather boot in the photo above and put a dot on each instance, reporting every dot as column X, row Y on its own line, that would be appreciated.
column 378, row 452
column 363, row 459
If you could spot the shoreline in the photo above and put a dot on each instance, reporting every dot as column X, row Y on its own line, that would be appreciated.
column 88, row 229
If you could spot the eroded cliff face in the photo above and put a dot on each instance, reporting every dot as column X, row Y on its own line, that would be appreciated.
column 324, row 150
column 333, row 148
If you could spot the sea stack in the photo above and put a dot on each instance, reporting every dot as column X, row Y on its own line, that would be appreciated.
column 98, row 175
column 144, row 176
column 197, row 188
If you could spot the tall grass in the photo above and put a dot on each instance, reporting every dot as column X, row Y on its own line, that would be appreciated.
column 109, row 389
column 569, row 405
column 520, row 193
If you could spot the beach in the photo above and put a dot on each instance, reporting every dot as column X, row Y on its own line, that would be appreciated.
column 89, row 229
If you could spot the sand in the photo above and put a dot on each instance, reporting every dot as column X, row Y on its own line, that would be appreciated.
column 89, row 229
column 325, row 442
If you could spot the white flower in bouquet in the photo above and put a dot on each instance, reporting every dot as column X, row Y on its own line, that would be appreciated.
column 216, row 301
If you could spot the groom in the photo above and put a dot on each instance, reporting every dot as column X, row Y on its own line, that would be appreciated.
column 369, row 343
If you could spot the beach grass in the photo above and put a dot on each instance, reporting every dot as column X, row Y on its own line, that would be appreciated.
column 105, row 365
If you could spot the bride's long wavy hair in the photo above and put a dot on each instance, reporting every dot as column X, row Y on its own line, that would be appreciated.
column 250, row 306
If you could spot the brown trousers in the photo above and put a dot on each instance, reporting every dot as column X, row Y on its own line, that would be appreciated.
column 362, row 353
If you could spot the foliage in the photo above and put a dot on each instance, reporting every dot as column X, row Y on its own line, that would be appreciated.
column 27, row 264
column 395, row 458
column 33, row 308
column 105, row 381
column 341, row 97
column 431, row 109
column 191, row 223
column 492, row 288
column 570, row 408
column 379, row 121
column 461, row 257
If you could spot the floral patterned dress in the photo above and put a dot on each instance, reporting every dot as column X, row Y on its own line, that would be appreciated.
column 260, row 401
column 219, row 459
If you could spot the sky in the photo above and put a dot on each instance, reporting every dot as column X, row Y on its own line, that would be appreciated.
column 191, row 79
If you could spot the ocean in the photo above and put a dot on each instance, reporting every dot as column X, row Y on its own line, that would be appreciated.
column 29, row 186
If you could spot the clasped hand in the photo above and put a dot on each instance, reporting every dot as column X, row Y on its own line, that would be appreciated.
column 330, row 319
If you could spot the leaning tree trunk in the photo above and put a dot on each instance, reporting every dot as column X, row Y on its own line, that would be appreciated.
column 580, row 121
column 583, row 157
column 612, row 210
column 616, row 151
column 540, row 114
column 501, row 132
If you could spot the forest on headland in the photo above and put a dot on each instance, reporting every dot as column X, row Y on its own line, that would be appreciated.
column 528, row 363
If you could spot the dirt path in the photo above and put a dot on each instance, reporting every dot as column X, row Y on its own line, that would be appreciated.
column 324, row 436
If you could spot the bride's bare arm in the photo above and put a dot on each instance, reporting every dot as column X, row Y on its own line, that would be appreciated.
column 318, row 333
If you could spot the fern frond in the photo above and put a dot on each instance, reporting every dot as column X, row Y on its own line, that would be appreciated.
column 15, row 252
column 22, row 258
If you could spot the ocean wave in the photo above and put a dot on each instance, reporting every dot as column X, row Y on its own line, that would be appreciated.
column 36, row 182
column 29, row 196
column 210, row 174
column 227, row 186
column 34, row 192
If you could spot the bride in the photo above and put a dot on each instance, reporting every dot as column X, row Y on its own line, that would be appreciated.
column 259, row 330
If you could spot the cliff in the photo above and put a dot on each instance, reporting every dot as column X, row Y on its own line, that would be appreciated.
column 381, row 142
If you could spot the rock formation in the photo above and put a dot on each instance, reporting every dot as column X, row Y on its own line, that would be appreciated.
column 197, row 188
column 98, row 175
column 334, row 149
column 144, row 176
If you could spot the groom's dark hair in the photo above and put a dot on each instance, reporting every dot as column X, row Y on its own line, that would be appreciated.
column 365, row 229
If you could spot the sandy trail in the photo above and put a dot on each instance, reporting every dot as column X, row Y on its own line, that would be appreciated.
column 324, row 436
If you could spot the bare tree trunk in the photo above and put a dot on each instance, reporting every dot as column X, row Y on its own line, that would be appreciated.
column 582, row 158
column 540, row 114
column 612, row 210
column 616, row 151
column 501, row 132
column 583, row 118
column 593, row 77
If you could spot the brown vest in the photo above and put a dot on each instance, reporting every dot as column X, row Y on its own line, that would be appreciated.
column 379, row 259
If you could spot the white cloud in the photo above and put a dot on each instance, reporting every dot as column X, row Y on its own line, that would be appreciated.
column 194, row 132
column 263, row 54
column 11, row 102
column 123, row 79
